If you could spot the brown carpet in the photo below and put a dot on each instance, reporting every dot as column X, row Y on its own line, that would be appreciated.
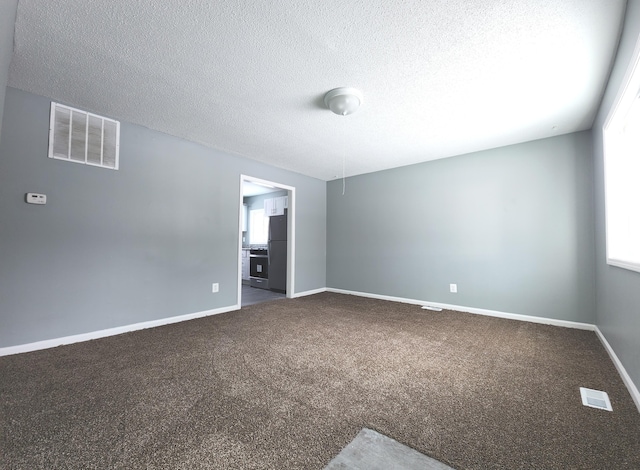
column 289, row 383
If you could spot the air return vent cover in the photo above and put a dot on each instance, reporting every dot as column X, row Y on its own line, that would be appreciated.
column 81, row 137
column 595, row 399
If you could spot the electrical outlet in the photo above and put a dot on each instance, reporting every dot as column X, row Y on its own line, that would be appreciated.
column 215, row 287
column 453, row 288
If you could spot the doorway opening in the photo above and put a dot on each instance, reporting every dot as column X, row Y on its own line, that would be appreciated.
column 266, row 245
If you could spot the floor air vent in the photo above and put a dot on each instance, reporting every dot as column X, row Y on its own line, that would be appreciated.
column 429, row 307
column 595, row 399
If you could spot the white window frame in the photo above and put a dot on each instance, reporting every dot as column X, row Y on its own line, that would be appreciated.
column 622, row 175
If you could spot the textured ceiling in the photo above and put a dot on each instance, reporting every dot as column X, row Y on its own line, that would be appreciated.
column 439, row 77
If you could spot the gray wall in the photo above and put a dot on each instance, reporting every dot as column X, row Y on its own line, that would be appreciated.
column 113, row 248
column 618, row 290
column 513, row 227
column 8, row 10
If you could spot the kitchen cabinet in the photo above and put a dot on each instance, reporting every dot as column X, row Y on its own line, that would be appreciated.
column 276, row 205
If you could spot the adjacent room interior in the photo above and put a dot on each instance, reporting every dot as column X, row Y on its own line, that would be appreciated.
column 260, row 235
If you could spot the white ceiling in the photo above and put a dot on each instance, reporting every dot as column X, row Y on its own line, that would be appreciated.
column 439, row 77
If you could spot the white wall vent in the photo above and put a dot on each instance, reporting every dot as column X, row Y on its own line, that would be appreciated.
column 595, row 399
column 81, row 137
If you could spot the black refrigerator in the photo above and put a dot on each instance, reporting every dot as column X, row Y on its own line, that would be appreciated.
column 278, row 253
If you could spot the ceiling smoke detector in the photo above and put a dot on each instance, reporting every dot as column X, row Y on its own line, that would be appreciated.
column 343, row 101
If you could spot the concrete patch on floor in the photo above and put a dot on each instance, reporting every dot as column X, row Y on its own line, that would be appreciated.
column 371, row 450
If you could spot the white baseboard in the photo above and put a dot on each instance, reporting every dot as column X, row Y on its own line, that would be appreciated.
column 633, row 390
column 479, row 311
column 52, row 343
column 309, row 292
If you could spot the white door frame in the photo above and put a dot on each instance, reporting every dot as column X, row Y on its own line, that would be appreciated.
column 291, row 232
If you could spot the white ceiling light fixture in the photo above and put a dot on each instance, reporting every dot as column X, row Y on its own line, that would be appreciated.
column 343, row 101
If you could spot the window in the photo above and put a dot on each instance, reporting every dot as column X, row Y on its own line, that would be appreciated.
column 258, row 227
column 622, row 172
column 81, row 137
